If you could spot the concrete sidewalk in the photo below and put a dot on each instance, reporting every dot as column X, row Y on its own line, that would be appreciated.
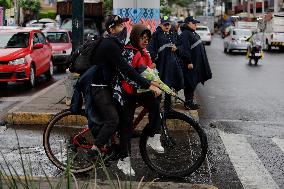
column 39, row 108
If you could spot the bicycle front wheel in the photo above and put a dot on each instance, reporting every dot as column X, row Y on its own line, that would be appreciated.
column 185, row 147
column 57, row 141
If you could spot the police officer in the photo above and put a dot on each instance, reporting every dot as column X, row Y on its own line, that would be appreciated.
column 196, row 65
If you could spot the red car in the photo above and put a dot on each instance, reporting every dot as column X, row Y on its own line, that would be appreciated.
column 24, row 55
column 61, row 44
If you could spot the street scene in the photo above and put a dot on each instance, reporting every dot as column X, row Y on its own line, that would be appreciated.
column 219, row 102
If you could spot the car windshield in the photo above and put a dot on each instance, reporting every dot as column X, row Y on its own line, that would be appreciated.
column 242, row 32
column 14, row 40
column 57, row 37
column 201, row 29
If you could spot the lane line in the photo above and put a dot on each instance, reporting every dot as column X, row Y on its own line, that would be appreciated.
column 279, row 142
column 13, row 99
column 248, row 166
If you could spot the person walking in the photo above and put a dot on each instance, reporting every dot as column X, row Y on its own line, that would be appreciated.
column 163, row 51
column 195, row 61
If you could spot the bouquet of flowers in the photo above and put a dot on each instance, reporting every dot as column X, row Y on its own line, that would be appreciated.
column 153, row 75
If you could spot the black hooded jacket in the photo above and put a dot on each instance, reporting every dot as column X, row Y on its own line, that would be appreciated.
column 168, row 63
column 192, row 51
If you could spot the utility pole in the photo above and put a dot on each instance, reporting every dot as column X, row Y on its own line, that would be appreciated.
column 254, row 8
column 262, row 6
column 248, row 8
column 275, row 6
column 77, row 23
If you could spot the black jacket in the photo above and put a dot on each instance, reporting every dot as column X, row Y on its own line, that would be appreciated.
column 109, row 56
column 168, row 63
column 192, row 51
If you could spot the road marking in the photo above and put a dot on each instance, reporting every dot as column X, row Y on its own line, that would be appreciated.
column 248, row 166
column 279, row 142
column 13, row 99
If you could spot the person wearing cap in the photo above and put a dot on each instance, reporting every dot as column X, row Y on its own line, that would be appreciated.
column 163, row 51
column 110, row 62
column 193, row 55
column 137, row 56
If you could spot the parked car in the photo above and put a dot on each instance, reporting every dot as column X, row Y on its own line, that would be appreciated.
column 90, row 28
column 24, row 55
column 61, row 44
column 204, row 33
column 236, row 40
column 43, row 23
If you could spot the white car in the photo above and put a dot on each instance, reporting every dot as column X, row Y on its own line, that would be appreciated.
column 237, row 40
column 204, row 33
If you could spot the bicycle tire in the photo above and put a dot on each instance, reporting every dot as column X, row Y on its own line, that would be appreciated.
column 160, row 162
column 61, row 162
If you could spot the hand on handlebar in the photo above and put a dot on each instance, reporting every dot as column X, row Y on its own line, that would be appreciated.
column 157, row 92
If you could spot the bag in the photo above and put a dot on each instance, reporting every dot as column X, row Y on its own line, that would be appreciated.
column 80, row 60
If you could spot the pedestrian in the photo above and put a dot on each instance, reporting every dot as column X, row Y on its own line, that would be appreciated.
column 136, row 55
column 108, row 61
column 194, row 58
column 163, row 51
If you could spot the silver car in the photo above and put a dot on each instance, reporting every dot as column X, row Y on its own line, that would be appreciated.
column 236, row 40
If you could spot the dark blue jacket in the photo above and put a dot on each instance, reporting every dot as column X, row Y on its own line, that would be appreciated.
column 192, row 51
column 167, row 62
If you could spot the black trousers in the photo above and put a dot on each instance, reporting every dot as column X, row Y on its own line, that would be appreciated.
column 147, row 100
column 106, row 115
column 188, row 93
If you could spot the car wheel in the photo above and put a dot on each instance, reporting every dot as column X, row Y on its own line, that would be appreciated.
column 49, row 72
column 230, row 51
column 225, row 50
column 3, row 85
column 209, row 43
column 61, row 68
column 31, row 82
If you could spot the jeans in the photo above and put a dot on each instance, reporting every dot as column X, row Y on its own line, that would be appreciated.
column 105, row 114
column 148, row 101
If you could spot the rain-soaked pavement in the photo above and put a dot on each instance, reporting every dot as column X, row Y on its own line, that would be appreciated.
column 242, row 111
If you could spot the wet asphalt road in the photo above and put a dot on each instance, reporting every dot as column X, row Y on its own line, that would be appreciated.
column 242, row 109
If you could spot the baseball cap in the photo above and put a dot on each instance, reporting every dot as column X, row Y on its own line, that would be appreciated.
column 113, row 20
column 191, row 19
column 165, row 20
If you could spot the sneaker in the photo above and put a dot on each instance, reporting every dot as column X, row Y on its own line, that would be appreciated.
column 125, row 166
column 155, row 143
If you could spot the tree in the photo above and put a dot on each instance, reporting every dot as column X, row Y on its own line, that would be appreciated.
column 31, row 9
column 7, row 4
column 30, row 5
column 165, row 9
column 108, row 7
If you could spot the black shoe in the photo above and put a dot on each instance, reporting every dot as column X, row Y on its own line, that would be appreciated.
column 191, row 105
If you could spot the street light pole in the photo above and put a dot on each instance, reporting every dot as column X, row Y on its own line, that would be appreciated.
column 77, row 23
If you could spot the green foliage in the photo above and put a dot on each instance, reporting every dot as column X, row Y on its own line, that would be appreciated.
column 108, row 7
column 165, row 9
column 49, row 14
column 182, row 3
column 32, row 5
column 6, row 3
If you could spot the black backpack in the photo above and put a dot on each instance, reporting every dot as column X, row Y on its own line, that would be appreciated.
column 80, row 59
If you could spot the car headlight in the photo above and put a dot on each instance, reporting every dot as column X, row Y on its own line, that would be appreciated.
column 68, row 51
column 18, row 61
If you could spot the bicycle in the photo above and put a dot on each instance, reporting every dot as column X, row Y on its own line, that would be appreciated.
column 183, row 139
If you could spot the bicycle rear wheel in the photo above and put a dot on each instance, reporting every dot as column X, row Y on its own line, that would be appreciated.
column 185, row 147
column 57, row 143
